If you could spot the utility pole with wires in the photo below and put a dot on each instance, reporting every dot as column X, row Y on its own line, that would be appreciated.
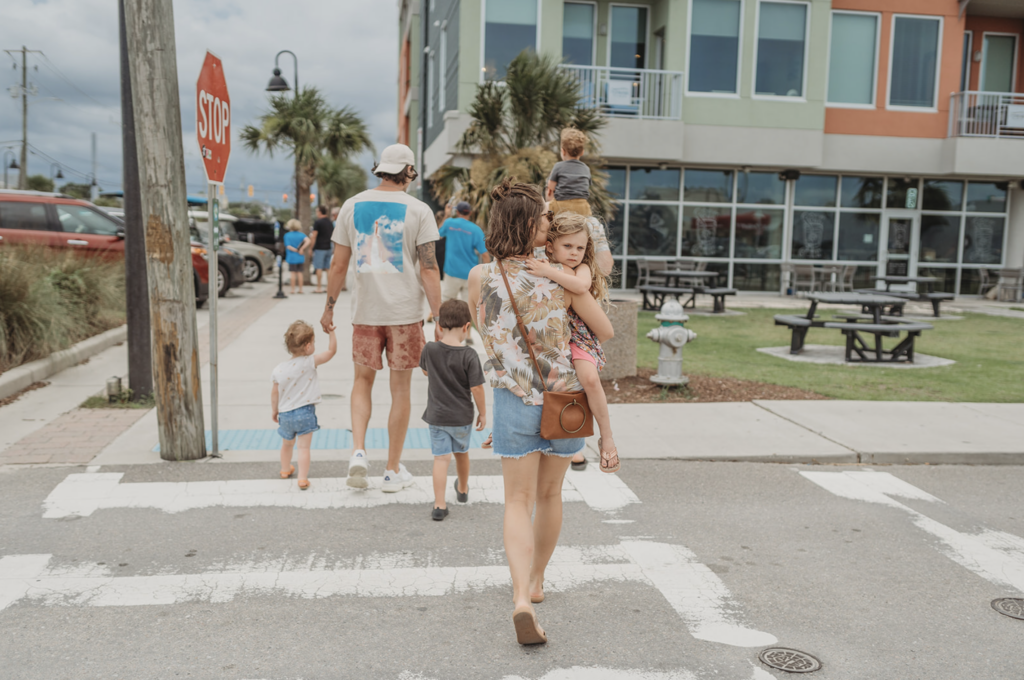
column 23, row 172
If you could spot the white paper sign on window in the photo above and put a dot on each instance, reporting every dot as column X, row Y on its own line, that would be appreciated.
column 620, row 93
column 1015, row 116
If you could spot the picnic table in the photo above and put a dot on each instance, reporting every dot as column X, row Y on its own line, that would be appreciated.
column 872, row 321
column 696, row 287
column 927, row 295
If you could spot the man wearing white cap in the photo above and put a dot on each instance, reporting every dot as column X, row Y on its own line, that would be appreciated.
column 389, row 237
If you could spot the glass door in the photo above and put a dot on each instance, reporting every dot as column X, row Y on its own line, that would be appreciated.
column 899, row 244
column 998, row 56
column 627, row 49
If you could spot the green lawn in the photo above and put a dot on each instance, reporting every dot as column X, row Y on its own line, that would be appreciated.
column 988, row 350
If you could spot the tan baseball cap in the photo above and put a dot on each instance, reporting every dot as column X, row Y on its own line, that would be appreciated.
column 395, row 158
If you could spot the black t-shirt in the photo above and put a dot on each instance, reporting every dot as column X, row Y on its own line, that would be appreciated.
column 324, row 229
column 452, row 371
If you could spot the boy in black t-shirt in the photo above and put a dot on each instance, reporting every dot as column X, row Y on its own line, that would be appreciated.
column 455, row 381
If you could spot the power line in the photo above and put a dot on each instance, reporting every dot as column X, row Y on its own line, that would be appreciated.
column 53, row 67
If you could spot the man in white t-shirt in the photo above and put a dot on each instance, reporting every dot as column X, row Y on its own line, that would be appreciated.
column 388, row 237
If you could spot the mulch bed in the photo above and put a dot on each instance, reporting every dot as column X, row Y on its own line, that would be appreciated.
column 702, row 388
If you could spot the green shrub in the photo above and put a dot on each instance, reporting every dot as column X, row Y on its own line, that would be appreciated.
column 51, row 299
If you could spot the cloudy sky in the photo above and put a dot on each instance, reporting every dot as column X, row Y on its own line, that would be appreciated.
column 347, row 48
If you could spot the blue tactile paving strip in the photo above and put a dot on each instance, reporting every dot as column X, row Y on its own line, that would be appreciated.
column 324, row 440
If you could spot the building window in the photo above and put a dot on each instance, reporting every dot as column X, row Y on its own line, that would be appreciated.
column 431, row 79
column 510, row 26
column 578, row 33
column 628, row 37
column 914, row 62
column 852, row 58
column 715, row 46
column 781, row 49
column 443, row 68
column 997, row 64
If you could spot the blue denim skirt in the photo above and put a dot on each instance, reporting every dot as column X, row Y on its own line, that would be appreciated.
column 292, row 424
column 517, row 430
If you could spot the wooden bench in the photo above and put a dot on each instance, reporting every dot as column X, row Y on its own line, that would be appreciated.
column 874, row 353
column 799, row 325
column 718, row 294
column 934, row 298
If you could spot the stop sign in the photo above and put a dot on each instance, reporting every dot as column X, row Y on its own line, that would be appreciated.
column 213, row 118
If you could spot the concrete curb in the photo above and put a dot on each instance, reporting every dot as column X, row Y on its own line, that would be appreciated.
column 17, row 379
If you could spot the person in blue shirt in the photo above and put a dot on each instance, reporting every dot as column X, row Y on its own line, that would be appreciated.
column 464, row 249
column 295, row 245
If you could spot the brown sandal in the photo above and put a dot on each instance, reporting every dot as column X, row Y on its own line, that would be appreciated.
column 488, row 443
column 607, row 457
column 527, row 630
column 289, row 474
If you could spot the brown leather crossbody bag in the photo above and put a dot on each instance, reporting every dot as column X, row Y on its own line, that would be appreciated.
column 565, row 415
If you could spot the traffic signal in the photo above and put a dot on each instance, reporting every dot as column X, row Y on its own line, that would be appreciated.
column 251, row 191
column 284, row 198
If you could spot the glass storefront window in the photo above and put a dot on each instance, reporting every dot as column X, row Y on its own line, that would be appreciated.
column 781, row 36
column 943, row 195
column 902, row 193
column 749, row 276
column 858, row 236
column 706, row 231
column 763, row 188
column 652, row 184
column 616, row 182
column 614, row 228
column 970, row 280
column 983, row 240
column 861, row 192
column 578, row 33
column 946, row 278
column 653, row 229
column 714, row 46
column 816, row 191
column 759, row 233
column 813, row 235
column 510, row 27
column 915, row 55
column 940, row 235
column 986, row 197
column 851, row 64
column 707, row 186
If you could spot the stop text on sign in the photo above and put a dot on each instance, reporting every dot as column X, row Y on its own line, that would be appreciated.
column 214, row 119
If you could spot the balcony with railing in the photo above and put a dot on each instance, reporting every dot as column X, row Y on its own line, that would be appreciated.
column 636, row 93
column 987, row 114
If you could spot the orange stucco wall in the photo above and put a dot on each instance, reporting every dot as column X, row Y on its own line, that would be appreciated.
column 981, row 25
column 880, row 121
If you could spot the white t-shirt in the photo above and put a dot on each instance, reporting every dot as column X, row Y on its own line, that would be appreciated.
column 383, row 229
column 297, row 384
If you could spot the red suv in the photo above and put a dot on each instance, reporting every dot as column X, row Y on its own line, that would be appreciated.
column 59, row 221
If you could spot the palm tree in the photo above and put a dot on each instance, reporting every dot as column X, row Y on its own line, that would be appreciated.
column 313, row 131
column 339, row 179
column 516, row 131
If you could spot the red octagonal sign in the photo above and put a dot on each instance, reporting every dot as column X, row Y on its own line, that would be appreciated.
column 213, row 118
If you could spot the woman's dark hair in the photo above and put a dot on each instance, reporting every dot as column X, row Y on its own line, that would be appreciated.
column 409, row 174
column 515, row 211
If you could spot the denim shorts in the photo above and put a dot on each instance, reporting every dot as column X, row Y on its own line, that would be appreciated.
column 517, row 430
column 445, row 439
column 322, row 259
column 292, row 424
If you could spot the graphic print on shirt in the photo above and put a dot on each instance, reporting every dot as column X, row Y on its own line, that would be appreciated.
column 380, row 232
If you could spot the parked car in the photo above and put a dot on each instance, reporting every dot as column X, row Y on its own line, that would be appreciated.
column 230, row 263
column 59, row 221
column 257, row 260
column 259, row 232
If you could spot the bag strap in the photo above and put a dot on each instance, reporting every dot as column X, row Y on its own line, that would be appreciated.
column 522, row 327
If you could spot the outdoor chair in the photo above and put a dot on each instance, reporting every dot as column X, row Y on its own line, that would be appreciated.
column 1011, row 283
column 846, row 277
column 985, row 282
column 803, row 276
column 644, row 268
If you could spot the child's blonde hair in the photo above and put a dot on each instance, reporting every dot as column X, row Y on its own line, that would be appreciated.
column 567, row 224
column 573, row 142
column 297, row 336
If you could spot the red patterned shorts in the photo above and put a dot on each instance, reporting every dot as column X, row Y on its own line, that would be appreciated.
column 403, row 344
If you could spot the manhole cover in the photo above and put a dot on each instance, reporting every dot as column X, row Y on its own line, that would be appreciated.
column 1010, row 606
column 789, row 660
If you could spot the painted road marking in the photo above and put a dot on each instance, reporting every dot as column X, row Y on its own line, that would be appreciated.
column 79, row 495
column 996, row 556
column 691, row 589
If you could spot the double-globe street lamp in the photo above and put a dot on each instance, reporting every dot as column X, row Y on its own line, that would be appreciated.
column 279, row 84
column 12, row 166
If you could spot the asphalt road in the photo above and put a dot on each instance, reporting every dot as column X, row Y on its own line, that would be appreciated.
column 885, row 576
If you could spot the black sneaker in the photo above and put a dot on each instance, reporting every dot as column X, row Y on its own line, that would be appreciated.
column 459, row 496
column 439, row 514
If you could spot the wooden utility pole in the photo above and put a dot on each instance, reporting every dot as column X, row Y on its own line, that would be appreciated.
column 23, row 172
column 149, row 25
column 140, row 358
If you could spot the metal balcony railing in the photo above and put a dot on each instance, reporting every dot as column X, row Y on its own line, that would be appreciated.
column 630, row 92
column 986, row 114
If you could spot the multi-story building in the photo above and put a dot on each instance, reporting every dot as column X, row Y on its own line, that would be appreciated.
column 751, row 133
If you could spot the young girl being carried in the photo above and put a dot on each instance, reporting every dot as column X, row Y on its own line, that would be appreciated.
column 569, row 244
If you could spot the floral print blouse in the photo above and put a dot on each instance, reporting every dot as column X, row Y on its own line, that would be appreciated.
column 541, row 303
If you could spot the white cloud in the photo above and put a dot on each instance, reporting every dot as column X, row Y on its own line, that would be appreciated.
column 347, row 48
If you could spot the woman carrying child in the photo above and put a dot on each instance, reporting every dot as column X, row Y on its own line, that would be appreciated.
column 569, row 244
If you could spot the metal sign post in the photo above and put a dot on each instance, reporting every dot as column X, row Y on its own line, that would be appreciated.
column 213, row 129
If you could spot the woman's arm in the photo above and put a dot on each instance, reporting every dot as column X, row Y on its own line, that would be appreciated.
column 473, row 293
column 578, row 281
column 586, row 308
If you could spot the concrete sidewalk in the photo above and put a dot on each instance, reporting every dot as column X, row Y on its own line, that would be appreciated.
column 770, row 431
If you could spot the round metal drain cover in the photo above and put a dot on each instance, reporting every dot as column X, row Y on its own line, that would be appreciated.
column 1010, row 606
column 789, row 660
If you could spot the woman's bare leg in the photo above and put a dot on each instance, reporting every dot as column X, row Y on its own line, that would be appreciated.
column 547, row 523
column 520, row 475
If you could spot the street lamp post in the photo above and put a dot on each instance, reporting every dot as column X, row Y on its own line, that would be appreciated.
column 57, row 175
column 12, row 166
column 279, row 84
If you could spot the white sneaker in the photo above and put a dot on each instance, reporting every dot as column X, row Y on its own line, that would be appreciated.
column 357, row 470
column 396, row 481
